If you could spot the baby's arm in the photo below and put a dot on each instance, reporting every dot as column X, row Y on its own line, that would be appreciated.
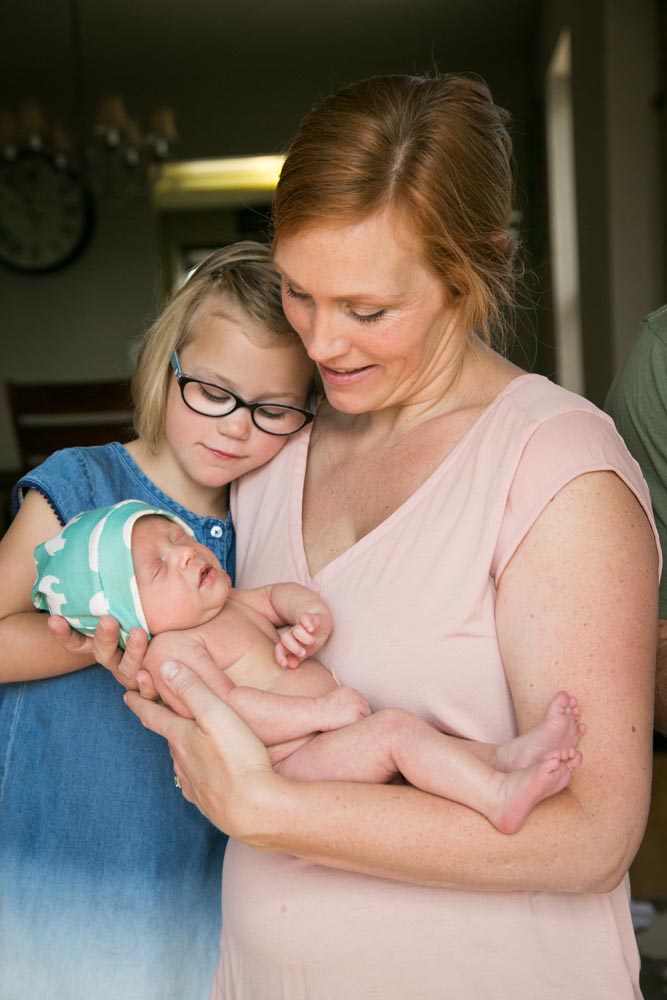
column 292, row 604
column 28, row 651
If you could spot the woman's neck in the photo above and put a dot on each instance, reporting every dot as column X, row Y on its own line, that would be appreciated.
column 470, row 382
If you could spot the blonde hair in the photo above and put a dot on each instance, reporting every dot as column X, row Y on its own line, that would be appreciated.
column 435, row 150
column 239, row 275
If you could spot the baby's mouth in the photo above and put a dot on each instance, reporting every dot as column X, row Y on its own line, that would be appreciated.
column 206, row 575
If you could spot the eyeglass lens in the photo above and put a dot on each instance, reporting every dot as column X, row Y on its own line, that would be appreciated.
column 213, row 401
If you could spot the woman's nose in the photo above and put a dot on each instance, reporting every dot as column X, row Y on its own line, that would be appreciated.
column 323, row 339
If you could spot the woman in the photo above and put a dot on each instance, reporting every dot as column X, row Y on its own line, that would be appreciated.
column 483, row 539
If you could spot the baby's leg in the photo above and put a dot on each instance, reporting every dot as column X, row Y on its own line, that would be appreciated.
column 394, row 742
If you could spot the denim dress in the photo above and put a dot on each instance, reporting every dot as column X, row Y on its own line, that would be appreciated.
column 109, row 879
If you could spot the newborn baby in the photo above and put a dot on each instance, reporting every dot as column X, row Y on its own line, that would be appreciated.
column 142, row 566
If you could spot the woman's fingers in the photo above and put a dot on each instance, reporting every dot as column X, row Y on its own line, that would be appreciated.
column 191, row 690
column 158, row 718
column 222, row 766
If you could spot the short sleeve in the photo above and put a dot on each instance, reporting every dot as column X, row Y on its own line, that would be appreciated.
column 560, row 449
column 637, row 401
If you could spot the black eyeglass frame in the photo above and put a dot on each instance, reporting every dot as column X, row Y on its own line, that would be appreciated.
column 239, row 402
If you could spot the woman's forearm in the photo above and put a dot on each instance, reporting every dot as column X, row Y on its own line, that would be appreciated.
column 401, row 833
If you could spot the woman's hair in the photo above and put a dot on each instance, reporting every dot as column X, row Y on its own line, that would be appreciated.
column 437, row 151
column 241, row 276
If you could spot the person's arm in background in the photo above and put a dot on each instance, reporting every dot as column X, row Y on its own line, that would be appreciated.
column 661, row 679
column 637, row 401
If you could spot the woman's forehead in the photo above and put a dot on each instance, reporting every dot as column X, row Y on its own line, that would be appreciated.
column 377, row 253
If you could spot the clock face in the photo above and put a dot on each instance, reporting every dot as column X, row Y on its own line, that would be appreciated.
column 45, row 214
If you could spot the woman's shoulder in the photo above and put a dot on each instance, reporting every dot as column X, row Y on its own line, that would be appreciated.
column 537, row 399
column 557, row 436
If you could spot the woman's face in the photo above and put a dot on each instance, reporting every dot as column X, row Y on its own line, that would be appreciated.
column 370, row 314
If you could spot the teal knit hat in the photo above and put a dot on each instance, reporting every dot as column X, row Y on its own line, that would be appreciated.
column 87, row 571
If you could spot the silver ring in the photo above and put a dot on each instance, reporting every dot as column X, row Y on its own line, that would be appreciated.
column 177, row 781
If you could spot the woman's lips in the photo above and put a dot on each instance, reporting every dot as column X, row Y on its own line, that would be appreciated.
column 344, row 376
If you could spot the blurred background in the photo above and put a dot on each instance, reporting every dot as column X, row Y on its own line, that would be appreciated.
column 583, row 81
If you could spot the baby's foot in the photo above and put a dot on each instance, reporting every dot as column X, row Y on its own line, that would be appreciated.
column 520, row 791
column 341, row 707
column 559, row 730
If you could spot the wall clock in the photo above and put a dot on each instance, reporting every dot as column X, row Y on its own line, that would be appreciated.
column 46, row 213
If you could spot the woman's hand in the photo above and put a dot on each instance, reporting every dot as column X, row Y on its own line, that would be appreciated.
column 223, row 767
column 103, row 648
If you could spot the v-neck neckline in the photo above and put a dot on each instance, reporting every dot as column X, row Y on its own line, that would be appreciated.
column 298, row 484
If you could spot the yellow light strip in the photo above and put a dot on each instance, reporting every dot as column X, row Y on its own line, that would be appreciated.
column 240, row 173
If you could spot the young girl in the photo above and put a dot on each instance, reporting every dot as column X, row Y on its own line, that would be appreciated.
column 110, row 880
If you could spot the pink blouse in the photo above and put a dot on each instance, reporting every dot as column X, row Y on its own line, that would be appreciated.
column 413, row 609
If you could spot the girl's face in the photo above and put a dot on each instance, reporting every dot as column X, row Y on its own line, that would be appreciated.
column 370, row 314
column 230, row 350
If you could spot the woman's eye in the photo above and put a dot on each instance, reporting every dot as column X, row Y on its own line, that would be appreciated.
column 369, row 317
column 294, row 294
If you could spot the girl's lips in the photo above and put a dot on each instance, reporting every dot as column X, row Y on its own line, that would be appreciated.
column 347, row 376
column 221, row 454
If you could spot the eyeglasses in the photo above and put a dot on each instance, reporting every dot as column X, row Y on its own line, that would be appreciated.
column 215, row 401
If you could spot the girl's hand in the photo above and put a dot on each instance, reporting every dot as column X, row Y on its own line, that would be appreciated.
column 103, row 648
column 222, row 766
column 303, row 639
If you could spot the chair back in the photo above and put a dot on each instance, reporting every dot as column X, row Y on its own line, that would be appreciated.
column 48, row 416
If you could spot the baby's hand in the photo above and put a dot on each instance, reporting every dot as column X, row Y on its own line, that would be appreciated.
column 303, row 639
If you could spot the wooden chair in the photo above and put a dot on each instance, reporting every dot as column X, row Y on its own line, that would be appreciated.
column 52, row 415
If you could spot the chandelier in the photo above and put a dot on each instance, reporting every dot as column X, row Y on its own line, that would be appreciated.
column 52, row 179
column 114, row 155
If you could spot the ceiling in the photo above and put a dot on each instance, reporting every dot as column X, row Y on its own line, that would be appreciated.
column 247, row 58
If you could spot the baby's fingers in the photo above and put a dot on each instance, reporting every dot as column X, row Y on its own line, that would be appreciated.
column 292, row 644
column 284, row 658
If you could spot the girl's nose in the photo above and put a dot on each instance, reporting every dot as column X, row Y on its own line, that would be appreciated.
column 237, row 424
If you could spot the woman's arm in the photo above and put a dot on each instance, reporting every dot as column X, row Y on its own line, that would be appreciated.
column 576, row 609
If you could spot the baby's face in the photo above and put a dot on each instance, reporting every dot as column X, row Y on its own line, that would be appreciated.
column 180, row 582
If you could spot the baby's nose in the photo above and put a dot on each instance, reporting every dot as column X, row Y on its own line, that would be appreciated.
column 184, row 554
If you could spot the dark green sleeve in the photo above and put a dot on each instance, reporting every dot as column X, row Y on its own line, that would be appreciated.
column 637, row 401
